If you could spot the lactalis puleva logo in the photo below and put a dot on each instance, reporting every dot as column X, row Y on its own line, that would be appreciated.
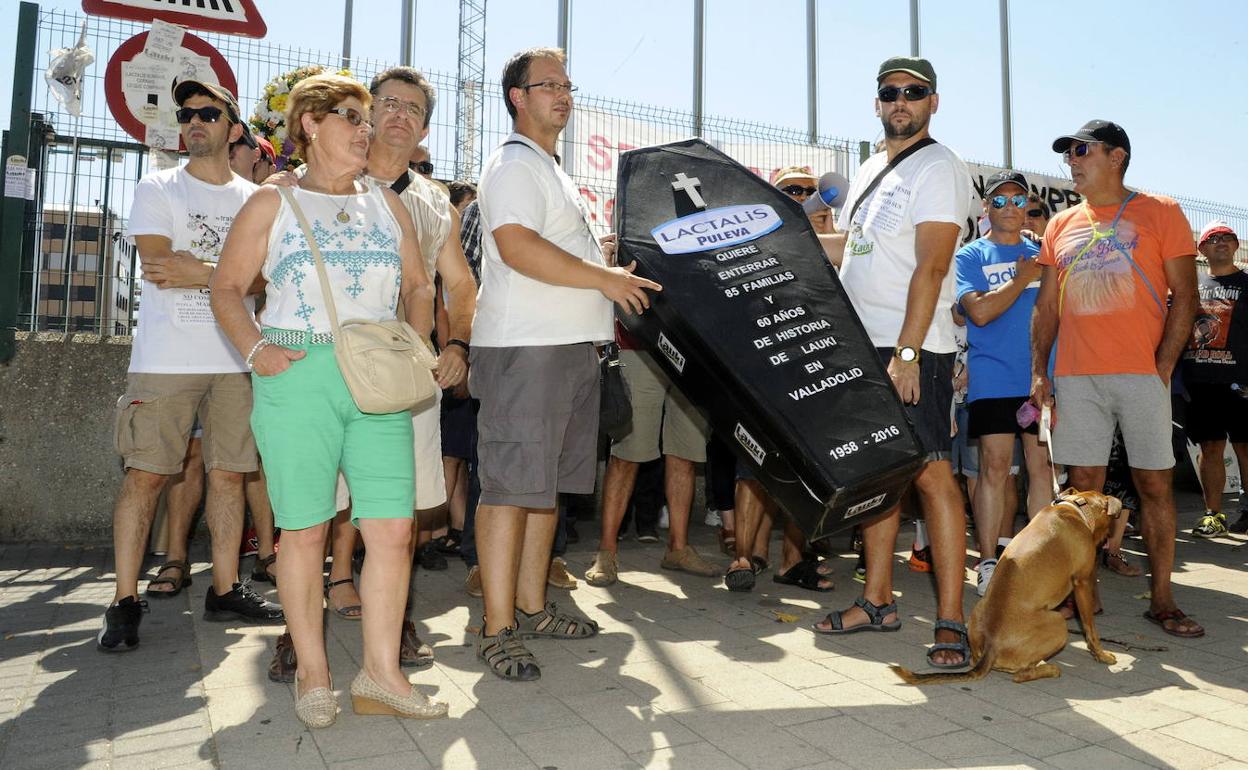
column 716, row 228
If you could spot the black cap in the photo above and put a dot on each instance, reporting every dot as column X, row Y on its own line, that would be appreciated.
column 911, row 65
column 1004, row 177
column 185, row 88
column 247, row 138
column 1095, row 131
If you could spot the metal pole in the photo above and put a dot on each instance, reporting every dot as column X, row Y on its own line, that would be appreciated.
column 103, row 270
column 569, row 131
column 1007, row 122
column 12, row 210
column 71, row 220
column 812, row 71
column 347, row 13
column 914, row 27
column 699, row 60
column 406, row 42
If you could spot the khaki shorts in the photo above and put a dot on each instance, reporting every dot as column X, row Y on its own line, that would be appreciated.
column 427, row 448
column 538, row 424
column 659, row 410
column 155, row 416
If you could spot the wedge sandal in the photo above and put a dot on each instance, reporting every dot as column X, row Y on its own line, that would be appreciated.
column 550, row 623
column 507, row 656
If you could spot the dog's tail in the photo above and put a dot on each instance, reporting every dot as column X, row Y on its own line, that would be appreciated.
column 979, row 671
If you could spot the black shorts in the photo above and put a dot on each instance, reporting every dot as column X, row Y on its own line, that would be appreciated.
column 990, row 416
column 1216, row 412
column 459, row 426
column 932, row 417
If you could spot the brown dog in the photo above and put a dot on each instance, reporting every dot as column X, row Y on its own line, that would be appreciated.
column 1014, row 628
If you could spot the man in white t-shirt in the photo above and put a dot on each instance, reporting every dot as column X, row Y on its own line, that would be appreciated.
column 545, row 299
column 907, row 210
column 180, row 365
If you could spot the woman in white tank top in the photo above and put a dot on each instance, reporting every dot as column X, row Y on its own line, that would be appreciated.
column 306, row 424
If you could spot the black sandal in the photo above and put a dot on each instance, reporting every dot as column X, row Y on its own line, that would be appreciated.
column 804, row 574
column 550, row 623
column 507, row 656
column 260, row 572
column 875, row 619
column 349, row 612
column 962, row 646
column 759, row 564
column 181, row 581
column 450, row 542
column 740, row 579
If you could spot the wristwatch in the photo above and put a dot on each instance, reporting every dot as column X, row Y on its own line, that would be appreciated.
column 907, row 354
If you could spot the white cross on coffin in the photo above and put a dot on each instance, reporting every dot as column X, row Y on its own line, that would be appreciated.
column 689, row 187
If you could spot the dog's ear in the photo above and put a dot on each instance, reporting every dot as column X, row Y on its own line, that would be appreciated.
column 1113, row 507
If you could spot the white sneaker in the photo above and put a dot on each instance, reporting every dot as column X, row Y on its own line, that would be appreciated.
column 713, row 519
column 984, row 575
column 663, row 518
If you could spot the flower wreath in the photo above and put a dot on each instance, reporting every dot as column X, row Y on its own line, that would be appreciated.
column 269, row 118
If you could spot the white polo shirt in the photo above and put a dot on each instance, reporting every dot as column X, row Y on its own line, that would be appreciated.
column 525, row 186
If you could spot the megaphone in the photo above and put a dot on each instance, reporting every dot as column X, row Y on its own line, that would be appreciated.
column 832, row 191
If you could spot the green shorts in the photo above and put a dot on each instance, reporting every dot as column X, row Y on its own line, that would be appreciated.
column 307, row 426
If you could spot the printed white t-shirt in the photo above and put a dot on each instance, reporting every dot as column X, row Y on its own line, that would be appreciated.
column 932, row 185
column 525, row 186
column 177, row 333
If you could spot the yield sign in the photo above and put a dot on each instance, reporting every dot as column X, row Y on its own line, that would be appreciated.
column 229, row 17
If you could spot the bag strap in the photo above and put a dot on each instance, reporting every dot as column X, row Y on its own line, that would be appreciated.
column 892, row 164
column 402, row 182
column 323, row 276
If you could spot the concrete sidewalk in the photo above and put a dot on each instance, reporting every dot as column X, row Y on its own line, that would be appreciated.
column 684, row 674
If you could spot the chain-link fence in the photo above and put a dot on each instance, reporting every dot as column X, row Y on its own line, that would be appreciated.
column 79, row 274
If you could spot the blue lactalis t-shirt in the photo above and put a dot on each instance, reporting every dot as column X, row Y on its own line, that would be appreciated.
column 999, row 359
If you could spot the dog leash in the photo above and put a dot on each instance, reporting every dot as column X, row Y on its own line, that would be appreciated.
column 1046, row 438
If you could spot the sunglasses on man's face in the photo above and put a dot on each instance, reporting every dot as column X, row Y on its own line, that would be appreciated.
column 1221, row 238
column 206, row 114
column 1036, row 213
column 424, row 168
column 797, row 189
column 911, row 93
column 1078, row 150
column 999, row 201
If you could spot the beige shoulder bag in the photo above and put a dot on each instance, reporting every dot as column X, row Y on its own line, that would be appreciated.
column 387, row 366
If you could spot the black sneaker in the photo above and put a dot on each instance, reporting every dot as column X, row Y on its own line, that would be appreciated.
column 241, row 603
column 647, row 534
column 1240, row 527
column 121, row 626
column 427, row 557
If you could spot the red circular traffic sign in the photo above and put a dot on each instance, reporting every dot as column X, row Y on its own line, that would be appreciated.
column 133, row 47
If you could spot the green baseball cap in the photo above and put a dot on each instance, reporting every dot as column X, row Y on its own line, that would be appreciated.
column 913, row 65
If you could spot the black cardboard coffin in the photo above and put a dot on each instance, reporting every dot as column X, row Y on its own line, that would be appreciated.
column 754, row 327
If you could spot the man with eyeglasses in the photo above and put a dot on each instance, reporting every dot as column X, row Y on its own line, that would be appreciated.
column 181, row 364
column 1109, row 266
column 799, row 183
column 1215, row 373
column 547, row 289
column 908, row 209
column 997, row 282
column 1037, row 215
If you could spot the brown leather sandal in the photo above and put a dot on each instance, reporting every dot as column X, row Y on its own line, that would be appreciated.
column 260, row 572
column 178, row 583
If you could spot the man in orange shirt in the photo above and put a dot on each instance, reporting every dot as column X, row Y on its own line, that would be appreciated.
column 1109, row 264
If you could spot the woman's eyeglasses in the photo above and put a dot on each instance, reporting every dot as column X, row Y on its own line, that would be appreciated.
column 350, row 115
column 911, row 93
column 797, row 189
column 999, row 201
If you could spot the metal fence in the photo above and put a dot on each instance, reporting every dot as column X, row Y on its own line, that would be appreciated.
column 78, row 273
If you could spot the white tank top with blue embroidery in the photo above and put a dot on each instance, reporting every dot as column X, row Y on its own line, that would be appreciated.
column 361, row 257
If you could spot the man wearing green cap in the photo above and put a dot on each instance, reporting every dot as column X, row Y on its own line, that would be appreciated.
column 907, row 210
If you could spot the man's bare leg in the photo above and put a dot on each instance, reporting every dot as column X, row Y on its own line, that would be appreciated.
column 617, row 488
column 1212, row 473
column 996, row 452
column 946, row 526
column 751, row 503
column 500, row 535
column 539, row 536
column 256, row 489
column 132, row 520
column 678, row 475
column 181, row 499
column 224, row 512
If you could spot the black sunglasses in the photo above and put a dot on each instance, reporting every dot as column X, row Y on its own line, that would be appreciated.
column 912, row 93
column 424, row 167
column 1035, row 212
column 206, row 114
column 797, row 189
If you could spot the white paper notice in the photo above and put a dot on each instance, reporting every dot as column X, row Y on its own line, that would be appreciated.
column 161, row 160
column 16, row 179
column 163, row 41
column 191, row 66
column 146, row 83
column 31, row 181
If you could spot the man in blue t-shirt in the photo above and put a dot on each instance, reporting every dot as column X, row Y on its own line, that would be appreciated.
column 997, row 283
